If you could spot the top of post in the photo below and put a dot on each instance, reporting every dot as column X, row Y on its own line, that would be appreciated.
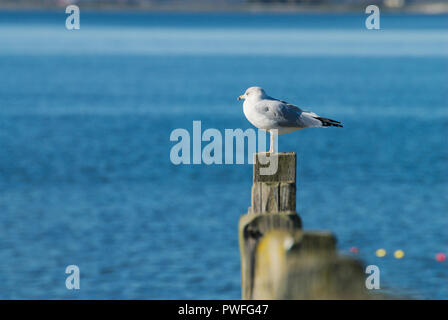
column 286, row 167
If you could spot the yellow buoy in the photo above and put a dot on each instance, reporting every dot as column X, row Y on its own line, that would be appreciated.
column 399, row 254
column 380, row 253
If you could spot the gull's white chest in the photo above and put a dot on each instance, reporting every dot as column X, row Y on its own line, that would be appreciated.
column 258, row 119
column 263, row 117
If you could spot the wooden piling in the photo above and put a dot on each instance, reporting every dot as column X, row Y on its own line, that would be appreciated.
column 276, row 192
column 273, row 206
column 278, row 259
column 305, row 265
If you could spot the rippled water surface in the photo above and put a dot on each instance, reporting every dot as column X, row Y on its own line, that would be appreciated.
column 85, row 172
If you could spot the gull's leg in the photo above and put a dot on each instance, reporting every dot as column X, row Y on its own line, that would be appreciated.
column 271, row 146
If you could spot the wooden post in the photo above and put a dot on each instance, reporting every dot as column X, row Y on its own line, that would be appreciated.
column 278, row 259
column 273, row 206
column 277, row 192
column 305, row 265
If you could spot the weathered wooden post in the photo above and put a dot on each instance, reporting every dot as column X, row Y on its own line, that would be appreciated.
column 305, row 265
column 273, row 206
column 278, row 259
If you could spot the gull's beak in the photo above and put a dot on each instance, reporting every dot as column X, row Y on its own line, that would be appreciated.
column 241, row 97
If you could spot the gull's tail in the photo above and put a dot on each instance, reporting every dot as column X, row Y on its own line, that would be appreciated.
column 329, row 123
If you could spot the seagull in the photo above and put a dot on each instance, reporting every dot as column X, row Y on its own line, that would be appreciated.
column 277, row 116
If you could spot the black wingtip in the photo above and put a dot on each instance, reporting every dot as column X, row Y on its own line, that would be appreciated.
column 336, row 125
column 329, row 122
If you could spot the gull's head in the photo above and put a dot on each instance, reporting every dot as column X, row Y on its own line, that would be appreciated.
column 253, row 93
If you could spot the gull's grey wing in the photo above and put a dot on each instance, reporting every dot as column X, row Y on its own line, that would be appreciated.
column 290, row 105
column 283, row 114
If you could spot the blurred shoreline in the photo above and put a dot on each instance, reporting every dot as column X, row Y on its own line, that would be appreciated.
column 412, row 8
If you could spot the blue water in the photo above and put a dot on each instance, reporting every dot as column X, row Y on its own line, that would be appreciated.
column 85, row 172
